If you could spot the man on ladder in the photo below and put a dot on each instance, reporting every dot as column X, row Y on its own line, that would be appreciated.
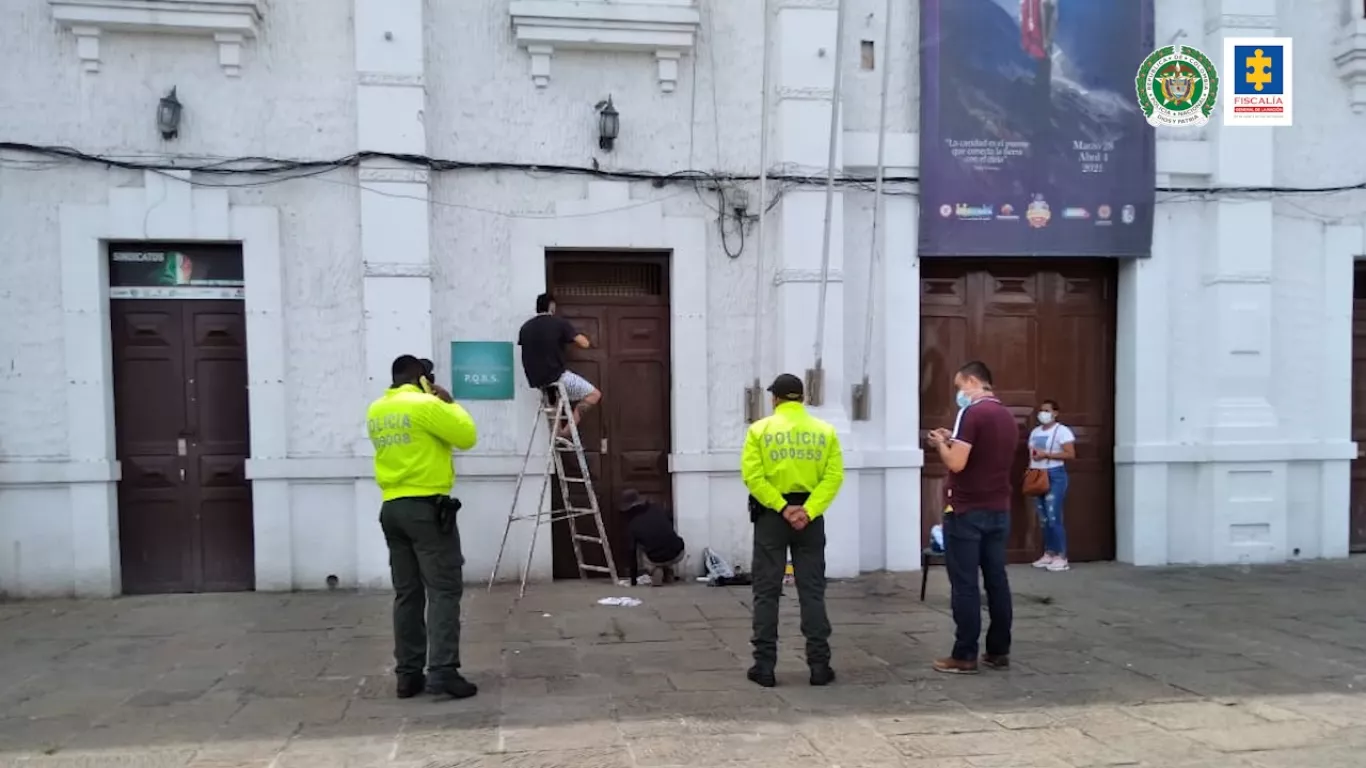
column 564, row 397
column 543, row 339
column 793, row 467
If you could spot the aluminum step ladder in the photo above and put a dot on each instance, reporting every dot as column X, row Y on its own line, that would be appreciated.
column 555, row 409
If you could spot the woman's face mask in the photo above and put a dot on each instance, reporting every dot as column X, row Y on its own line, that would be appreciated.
column 963, row 400
column 1045, row 417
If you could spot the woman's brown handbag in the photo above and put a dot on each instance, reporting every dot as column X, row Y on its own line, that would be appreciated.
column 1035, row 482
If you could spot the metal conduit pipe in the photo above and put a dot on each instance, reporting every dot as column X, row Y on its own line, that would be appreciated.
column 815, row 377
column 862, row 405
column 754, row 396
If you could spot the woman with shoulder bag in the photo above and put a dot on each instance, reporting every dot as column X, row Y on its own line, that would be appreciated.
column 1051, row 446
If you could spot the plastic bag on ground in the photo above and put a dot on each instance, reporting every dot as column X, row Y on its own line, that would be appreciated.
column 717, row 567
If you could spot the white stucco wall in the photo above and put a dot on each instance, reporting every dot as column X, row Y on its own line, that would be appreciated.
column 295, row 97
column 425, row 258
column 1234, row 365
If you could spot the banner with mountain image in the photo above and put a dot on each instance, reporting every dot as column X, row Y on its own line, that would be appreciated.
column 1032, row 140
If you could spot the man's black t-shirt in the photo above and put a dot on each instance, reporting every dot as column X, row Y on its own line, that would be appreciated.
column 542, row 340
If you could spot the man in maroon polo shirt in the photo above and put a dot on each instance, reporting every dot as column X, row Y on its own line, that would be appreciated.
column 979, row 453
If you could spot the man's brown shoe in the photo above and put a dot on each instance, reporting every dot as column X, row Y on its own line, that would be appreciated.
column 995, row 662
column 954, row 666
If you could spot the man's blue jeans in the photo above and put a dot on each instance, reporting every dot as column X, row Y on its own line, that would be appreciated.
column 1049, row 507
column 975, row 539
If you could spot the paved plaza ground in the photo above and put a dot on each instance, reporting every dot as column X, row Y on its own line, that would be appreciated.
column 1170, row 668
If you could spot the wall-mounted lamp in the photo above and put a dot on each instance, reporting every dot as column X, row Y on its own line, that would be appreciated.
column 168, row 115
column 609, row 124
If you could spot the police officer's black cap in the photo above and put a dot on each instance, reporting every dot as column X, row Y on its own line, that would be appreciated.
column 787, row 387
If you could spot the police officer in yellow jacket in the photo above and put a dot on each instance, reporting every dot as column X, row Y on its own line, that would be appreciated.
column 793, row 467
column 414, row 428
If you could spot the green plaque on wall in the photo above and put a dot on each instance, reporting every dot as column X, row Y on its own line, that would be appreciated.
column 481, row 370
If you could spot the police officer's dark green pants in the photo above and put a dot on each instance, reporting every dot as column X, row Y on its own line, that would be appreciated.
column 773, row 537
column 426, row 568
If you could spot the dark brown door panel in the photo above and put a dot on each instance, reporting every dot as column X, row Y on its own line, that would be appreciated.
column 180, row 399
column 620, row 302
column 1046, row 330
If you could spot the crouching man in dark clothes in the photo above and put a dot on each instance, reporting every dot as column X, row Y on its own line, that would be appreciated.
column 652, row 537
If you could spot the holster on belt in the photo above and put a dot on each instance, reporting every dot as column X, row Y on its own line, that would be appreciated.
column 756, row 508
column 446, row 509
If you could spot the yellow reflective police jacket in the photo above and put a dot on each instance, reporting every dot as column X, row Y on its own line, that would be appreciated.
column 792, row 452
column 413, row 434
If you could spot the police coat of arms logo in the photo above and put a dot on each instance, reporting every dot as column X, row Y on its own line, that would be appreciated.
column 1178, row 86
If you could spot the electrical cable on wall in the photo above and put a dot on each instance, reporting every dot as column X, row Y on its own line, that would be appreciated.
column 722, row 210
column 279, row 170
column 740, row 227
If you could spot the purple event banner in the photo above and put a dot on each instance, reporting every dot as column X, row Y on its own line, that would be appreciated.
column 1032, row 140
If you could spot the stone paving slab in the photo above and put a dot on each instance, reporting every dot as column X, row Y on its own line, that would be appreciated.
column 1112, row 666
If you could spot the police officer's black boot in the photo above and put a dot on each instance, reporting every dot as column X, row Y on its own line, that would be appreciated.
column 451, row 684
column 411, row 685
column 761, row 676
column 822, row 674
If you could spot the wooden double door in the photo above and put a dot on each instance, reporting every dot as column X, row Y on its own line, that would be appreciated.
column 620, row 302
column 180, row 415
column 1046, row 330
column 1357, row 534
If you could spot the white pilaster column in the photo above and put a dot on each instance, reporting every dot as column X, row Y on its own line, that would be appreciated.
column 898, row 401
column 1142, row 404
column 394, row 218
column 1248, row 521
column 1143, row 417
column 96, row 567
column 1343, row 245
column 804, row 75
column 1236, row 270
